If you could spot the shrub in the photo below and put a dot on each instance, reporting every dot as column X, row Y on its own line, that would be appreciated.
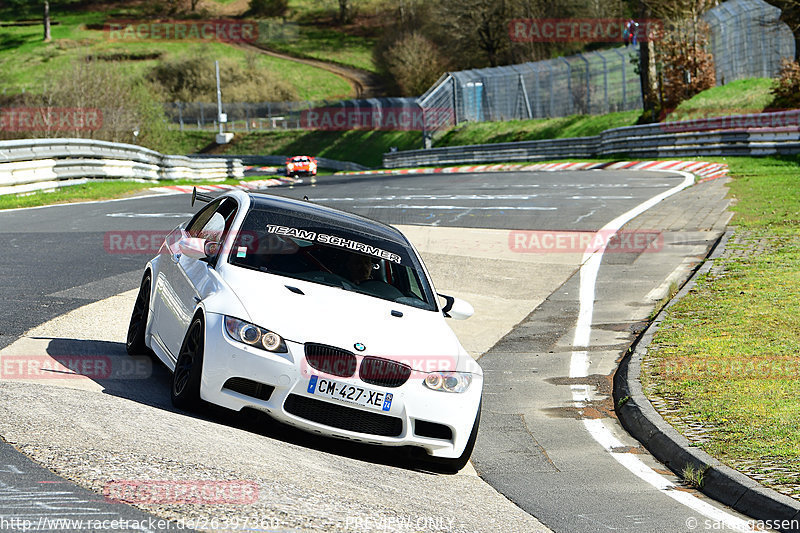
column 786, row 86
column 415, row 64
column 125, row 104
column 268, row 8
column 192, row 79
column 687, row 67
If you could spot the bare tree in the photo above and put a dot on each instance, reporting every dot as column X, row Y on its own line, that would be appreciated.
column 682, row 46
column 470, row 26
column 46, row 21
column 415, row 64
column 345, row 9
column 790, row 14
column 647, row 70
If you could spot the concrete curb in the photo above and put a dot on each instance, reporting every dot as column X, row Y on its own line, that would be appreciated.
column 702, row 169
column 641, row 420
column 244, row 185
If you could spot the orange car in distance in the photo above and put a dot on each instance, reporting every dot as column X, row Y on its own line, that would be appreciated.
column 301, row 165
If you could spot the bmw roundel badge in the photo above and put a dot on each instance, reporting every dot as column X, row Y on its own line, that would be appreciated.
column 360, row 347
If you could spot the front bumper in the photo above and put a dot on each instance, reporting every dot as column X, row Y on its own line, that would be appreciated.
column 439, row 422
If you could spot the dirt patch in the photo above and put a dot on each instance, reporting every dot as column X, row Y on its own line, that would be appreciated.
column 592, row 410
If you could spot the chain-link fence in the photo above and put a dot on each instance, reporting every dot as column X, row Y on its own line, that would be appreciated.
column 748, row 40
column 591, row 84
column 371, row 113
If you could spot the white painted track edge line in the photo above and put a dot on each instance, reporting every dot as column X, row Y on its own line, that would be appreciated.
column 154, row 195
column 579, row 367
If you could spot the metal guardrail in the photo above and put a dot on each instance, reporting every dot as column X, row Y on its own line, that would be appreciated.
column 740, row 135
column 37, row 160
column 582, row 147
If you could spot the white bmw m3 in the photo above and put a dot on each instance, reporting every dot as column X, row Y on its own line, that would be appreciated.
column 322, row 319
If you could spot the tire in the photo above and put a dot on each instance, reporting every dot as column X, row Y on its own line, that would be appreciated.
column 135, row 344
column 185, row 389
column 452, row 466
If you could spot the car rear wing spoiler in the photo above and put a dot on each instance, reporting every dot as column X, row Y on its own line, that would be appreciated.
column 200, row 196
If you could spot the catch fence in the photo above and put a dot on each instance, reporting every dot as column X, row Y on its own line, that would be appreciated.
column 591, row 83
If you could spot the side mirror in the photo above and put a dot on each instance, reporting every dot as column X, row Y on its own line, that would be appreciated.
column 198, row 248
column 211, row 248
column 456, row 308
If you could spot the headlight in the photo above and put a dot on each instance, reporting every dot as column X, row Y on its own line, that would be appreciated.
column 250, row 334
column 448, row 381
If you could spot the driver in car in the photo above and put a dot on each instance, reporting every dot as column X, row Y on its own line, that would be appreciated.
column 358, row 268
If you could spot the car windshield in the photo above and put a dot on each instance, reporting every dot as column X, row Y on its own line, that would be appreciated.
column 310, row 250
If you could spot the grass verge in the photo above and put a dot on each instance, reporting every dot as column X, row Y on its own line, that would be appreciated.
column 99, row 190
column 725, row 359
column 536, row 129
column 738, row 97
column 359, row 146
column 27, row 63
column 328, row 44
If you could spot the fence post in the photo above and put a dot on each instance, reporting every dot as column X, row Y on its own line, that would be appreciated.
column 537, row 92
column 623, row 60
column 607, row 109
column 569, row 86
column 588, row 86
column 455, row 100
column 525, row 96
column 552, row 92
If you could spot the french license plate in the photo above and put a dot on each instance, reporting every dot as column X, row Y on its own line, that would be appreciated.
column 344, row 392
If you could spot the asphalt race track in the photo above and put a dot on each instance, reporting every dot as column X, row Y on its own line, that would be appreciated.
column 549, row 444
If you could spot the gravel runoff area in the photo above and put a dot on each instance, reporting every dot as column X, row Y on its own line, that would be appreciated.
column 97, row 432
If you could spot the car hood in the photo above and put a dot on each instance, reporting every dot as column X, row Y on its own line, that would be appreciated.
column 336, row 317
